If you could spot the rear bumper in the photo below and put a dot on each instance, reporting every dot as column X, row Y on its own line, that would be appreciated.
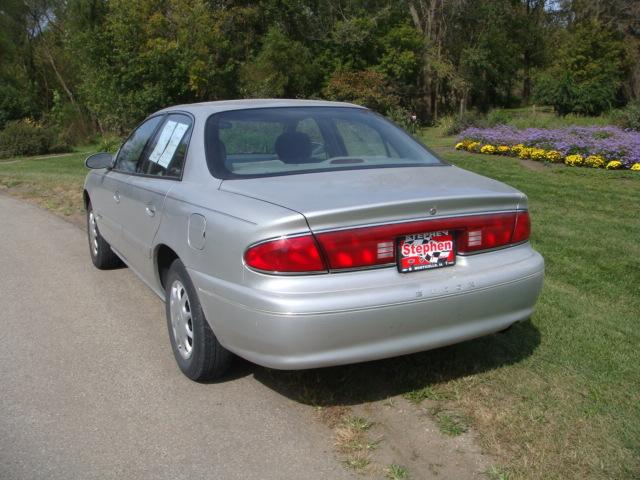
column 334, row 319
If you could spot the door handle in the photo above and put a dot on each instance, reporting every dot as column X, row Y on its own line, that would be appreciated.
column 116, row 197
column 151, row 210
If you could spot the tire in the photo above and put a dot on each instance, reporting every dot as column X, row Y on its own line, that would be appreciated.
column 101, row 254
column 195, row 347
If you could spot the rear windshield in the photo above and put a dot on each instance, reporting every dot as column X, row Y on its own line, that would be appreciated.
column 286, row 140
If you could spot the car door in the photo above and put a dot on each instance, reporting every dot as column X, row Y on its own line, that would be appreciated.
column 159, row 167
column 107, row 196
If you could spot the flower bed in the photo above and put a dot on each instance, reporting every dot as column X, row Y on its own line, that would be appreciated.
column 596, row 147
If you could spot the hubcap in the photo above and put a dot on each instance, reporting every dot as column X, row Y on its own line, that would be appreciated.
column 93, row 233
column 181, row 321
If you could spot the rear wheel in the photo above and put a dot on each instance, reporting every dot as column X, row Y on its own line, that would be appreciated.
column 101, row 254
column 195, row 347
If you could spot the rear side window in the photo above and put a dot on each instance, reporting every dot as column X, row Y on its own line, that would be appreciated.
column 286, row 140
column 130, row 152
column 165, row 154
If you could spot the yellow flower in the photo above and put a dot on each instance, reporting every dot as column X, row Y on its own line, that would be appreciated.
column 504, row 149
column 574, row 160
column 594, row 161
column 459, row 145
column 517, row 148
column 614, row 165
column 554, row 156
column 488, row 149
column 473, row 146
column 636, row 167
column 538, row 154
column 525, row 152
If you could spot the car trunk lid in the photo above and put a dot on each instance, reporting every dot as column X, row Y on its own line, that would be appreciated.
column 331, row 200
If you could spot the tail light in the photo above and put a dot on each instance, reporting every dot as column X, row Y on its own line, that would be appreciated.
column 286, row 255
column 492, row 231
column 367, row 247
column 522, row 230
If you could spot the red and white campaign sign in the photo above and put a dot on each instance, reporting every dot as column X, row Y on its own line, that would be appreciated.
column 422, row 251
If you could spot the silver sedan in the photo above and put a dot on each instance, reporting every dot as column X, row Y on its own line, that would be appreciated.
column 301, row 234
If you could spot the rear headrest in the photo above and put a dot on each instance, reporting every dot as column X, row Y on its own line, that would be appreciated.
column 293, row 147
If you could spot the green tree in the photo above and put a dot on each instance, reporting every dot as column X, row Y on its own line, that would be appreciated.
column 588, row 72
column 282, row 68
column 364, row 87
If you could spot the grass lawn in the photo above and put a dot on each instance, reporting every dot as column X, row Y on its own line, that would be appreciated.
column 570, row 409
column 554, row 397
column 53, row 182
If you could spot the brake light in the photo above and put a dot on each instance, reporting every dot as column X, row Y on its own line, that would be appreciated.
column 522, row 230
column 374, row 246
column 486, row 232
column 286, row 255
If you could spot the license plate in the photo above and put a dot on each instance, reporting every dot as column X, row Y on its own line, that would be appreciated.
column 423, row 251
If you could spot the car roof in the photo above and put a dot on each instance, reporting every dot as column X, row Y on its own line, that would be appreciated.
column 209, row 108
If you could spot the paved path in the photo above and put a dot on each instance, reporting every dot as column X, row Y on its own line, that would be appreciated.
column 89, row 388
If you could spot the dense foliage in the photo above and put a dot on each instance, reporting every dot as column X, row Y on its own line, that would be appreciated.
column 24, row 138
column 85, row 66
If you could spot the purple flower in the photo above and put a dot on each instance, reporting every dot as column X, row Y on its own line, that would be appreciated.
column 612, row 143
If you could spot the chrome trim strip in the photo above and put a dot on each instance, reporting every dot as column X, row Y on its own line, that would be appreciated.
column 359, row 269
column 285, row 274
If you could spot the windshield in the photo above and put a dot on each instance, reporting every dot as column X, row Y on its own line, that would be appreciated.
column 285, row 140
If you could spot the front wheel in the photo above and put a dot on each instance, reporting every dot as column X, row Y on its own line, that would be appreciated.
column 101, row 254
column 195, row 347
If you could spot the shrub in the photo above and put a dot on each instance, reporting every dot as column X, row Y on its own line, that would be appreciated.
column 473, row 146
column 614, row 165
column 498, row 117
column 14, row 103
column 594, row 161
column 554, row 156
column 24, row 137
column 575, row 160
column 488, row 149
column 628, row 117
column 538, row 154
column 454, row 124
column 404, row 118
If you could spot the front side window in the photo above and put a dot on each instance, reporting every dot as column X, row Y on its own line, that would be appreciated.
column 286, row 140
column 130, row 152
column 165, row 153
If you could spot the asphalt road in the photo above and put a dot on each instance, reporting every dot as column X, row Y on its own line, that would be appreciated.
column 89, row 388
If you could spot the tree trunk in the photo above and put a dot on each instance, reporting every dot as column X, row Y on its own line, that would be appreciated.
column 526, row 81
column 66, row 89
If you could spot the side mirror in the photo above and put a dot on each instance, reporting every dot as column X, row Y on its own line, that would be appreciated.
column 99, row 160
